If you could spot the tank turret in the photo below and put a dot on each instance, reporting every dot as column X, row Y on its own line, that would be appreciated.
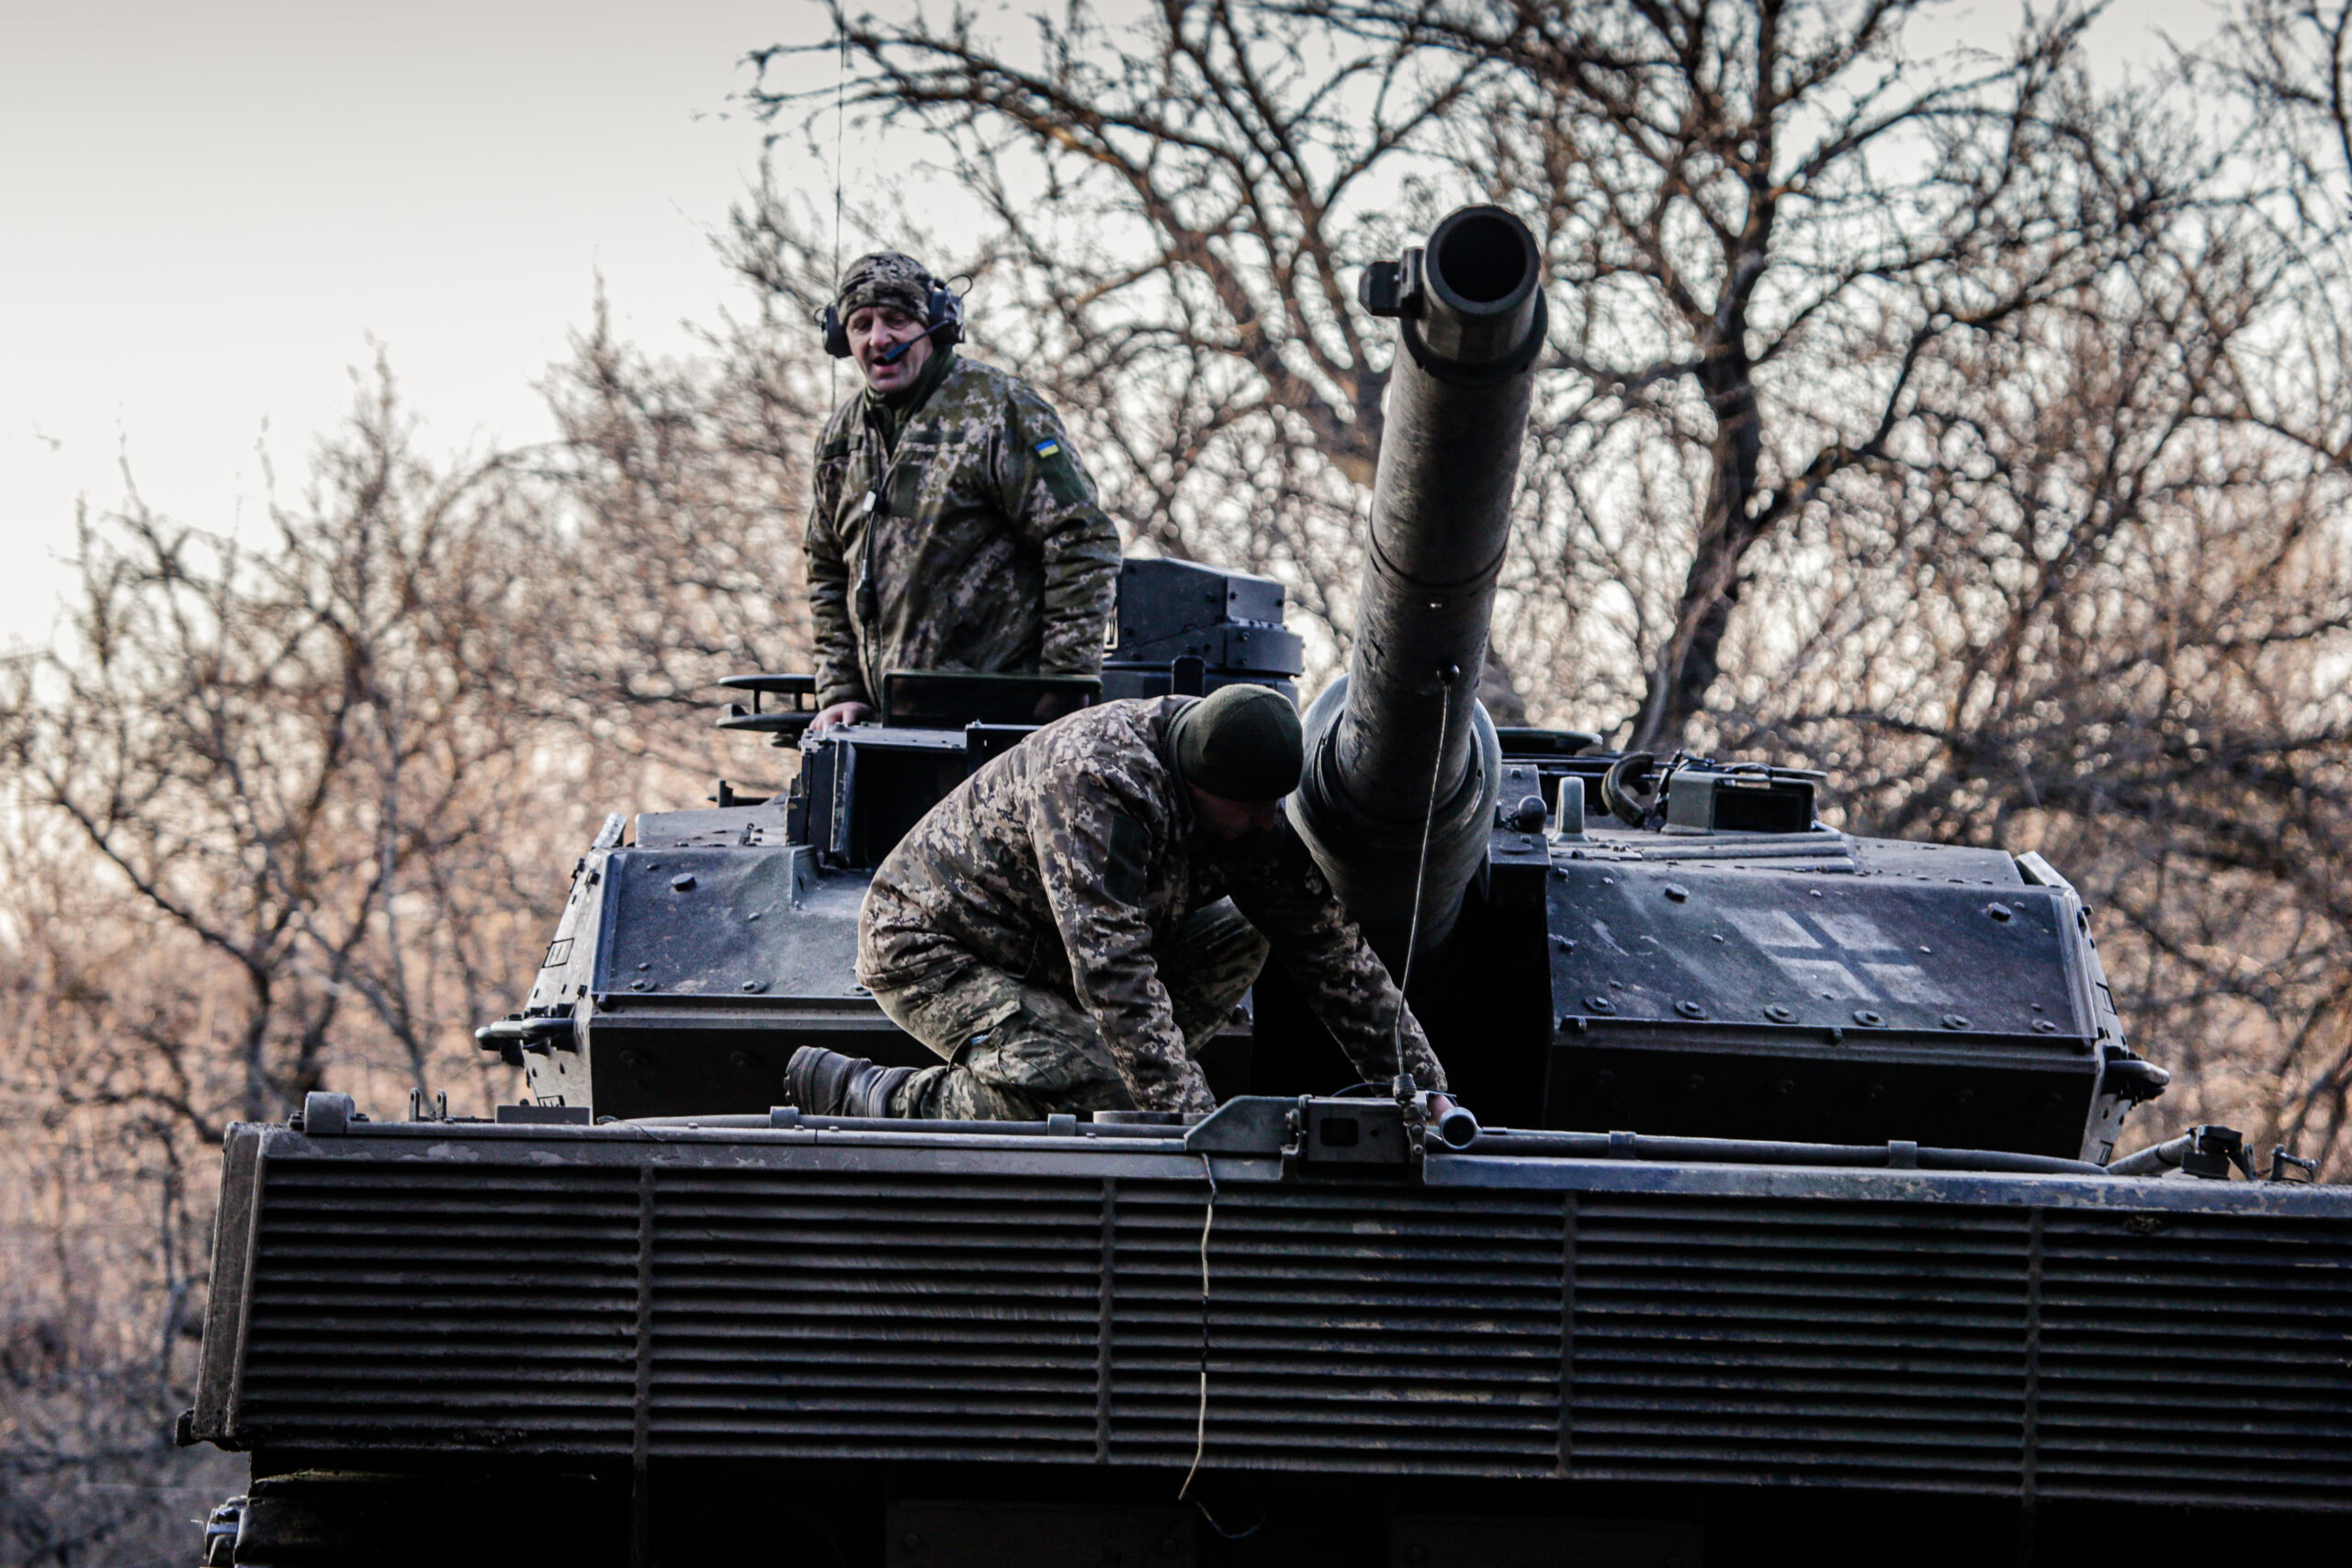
column 1702, row 958
column 1705, row 958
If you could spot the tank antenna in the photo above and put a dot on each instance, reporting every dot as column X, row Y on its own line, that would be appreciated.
column 840, row 92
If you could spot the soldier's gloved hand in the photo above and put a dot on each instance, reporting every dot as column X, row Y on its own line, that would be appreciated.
column 840, row 713
column 1053, row 706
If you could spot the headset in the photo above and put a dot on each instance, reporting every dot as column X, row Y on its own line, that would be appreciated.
column 942, row 319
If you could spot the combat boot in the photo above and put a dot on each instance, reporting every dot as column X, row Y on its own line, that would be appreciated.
column 827, row 1083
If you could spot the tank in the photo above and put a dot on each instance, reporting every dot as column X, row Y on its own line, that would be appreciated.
column 1787, row 1202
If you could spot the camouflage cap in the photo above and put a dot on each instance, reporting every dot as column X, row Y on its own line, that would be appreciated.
column 1240, row 742
column 886, row 278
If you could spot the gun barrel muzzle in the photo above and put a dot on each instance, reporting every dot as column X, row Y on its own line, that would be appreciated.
column 1457, row 1129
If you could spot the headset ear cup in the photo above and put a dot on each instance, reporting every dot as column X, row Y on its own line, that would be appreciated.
column 836, row 335
column 946, row 310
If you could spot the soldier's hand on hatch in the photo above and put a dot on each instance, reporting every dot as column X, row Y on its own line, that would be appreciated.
column 1053, row 706
column 840, row 713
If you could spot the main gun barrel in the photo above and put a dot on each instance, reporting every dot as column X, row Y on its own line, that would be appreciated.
column 1400, row 748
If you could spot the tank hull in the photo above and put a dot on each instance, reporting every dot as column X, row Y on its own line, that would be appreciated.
column 734, row 1317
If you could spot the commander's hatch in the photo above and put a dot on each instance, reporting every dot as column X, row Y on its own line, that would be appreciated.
column 863, row 787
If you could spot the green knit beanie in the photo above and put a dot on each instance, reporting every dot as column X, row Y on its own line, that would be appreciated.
column 1240, row 742
column 886, row 278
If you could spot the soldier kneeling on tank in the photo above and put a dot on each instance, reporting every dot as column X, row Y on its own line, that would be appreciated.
column 1069, row 926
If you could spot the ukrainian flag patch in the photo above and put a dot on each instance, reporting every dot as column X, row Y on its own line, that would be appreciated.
column 1055, row 466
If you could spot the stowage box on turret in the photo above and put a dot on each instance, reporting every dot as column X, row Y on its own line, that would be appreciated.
column 1794, row 1217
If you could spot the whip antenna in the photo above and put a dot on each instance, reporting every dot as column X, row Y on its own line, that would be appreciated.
column 841, row 113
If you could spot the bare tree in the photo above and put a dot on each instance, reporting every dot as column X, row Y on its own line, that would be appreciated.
column 2102, row 625
column 294, row 755
column 1766, row 222
column 680, row 490
column 280, row 815
column 1762, row 220
column 104, row 1204
column 295, row 811
column 2286, row 67
column 2096, row 604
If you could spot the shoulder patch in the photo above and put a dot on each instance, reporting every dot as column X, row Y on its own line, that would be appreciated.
column 1122, row 872
column 1063, row 482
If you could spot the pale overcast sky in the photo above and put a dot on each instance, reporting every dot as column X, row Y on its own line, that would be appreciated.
column 210, row 211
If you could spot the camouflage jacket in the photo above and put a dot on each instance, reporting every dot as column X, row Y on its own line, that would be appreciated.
column 1070, row 859
column 976, row 528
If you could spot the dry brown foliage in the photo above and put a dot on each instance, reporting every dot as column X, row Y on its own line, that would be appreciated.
column 294, row 814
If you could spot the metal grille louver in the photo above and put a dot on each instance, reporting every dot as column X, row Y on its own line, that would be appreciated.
column 1878, row 1344
column 443, row 1306
column 1348, row 1330
column 726, row 1306
column 876, row 1316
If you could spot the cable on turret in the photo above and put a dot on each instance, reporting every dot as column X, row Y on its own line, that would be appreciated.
column 1445, row 679
column 1200, row 1425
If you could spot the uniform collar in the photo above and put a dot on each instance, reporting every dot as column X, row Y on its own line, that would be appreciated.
column 894, row 411
column 1169, row 707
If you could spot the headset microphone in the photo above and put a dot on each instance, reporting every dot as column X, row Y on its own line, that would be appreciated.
column 892, row 357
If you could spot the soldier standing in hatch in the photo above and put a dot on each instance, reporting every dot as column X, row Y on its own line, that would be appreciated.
column 1070, row 925
column 950, row 526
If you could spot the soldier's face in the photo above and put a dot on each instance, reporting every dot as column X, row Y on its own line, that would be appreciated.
column 873, row 331
column 1232, row 819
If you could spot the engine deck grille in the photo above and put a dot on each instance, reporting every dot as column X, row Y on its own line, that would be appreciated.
column 754, row 1306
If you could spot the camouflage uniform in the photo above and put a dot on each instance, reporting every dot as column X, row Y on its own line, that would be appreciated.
column 1059, row 930
column 967, row 512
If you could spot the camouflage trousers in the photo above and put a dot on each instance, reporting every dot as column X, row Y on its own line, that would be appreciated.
column 1016, row 1052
